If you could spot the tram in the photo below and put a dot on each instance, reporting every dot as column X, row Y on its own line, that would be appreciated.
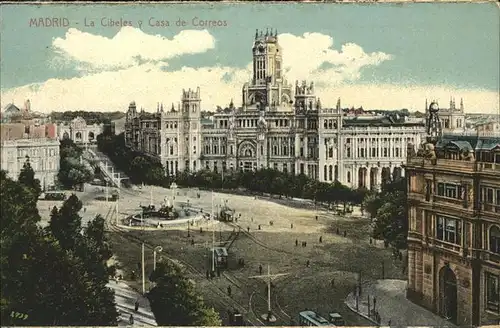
column 310, row 318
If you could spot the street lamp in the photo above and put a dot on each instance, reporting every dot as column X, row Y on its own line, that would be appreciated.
column 155, row 250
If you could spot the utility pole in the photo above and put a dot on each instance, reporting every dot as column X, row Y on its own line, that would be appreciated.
column 143, row 272
column 213, row 234
column 268, row 316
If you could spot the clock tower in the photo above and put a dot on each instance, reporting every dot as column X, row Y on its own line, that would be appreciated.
column 268, row 89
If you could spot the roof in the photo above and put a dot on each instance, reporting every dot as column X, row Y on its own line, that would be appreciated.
column 220, row 251
column 476, row 142
column 11, row 108
column 378, row 121
column 457, row 144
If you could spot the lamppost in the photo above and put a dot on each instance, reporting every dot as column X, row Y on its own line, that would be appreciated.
column 157, row 249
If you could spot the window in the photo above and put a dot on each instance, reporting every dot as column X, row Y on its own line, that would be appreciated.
column 448, row 230
column 492, row 292
column 348, row 152
column 495, row 239
column 449, row 190
column 348, row 177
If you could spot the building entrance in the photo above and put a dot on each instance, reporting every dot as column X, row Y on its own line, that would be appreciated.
column 448, row 294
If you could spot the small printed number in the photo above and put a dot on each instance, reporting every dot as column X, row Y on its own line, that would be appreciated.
column 19, row 315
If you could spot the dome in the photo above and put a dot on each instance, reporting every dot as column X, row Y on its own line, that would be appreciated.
column 434, row 107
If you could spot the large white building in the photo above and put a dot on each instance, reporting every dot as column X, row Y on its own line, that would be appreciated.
column 43, row 154
column 278, row 126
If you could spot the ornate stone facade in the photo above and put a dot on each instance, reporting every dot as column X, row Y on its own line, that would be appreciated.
column 454, row 226
column 278, row 126
column 78, row 131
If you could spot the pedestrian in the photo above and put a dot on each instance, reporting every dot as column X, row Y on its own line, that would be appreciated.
column 131, row 319
column 389, row 323
column 370, row 240
column 291, row 226
column 136, row 305
column 251, row 219
column 338, row 232
column 208, row 274
column 316, row 218
column 260, row 269
column 305, row 244
column 84, row 209
column 320, row 239
column 229, row 290
column 201, row 229
column 296, row 242
column 259, row 226
column 345, row 233
column 333, row 282
column 192, row 241
column 248, row 229
column 307, row 263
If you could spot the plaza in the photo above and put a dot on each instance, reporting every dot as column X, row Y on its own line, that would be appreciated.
column 334, row 263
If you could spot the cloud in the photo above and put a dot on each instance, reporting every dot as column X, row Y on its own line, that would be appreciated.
column 311, row 56
column 128, row 47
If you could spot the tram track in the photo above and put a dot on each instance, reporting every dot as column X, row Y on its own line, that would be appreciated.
column 223, row 299
column 279, row 313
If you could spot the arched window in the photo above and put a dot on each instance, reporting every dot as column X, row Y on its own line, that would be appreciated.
column 324, row 172
column 495, row 239
column 348, row 177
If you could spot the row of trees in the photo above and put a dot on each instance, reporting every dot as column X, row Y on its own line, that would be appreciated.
column 144, row 169
column 139, row 168
column 72, row 169
column 273, row 182
column 89, row 117
column 390, row 212
column 53, row 276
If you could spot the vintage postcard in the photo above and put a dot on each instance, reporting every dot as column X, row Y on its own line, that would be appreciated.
column 250, row 164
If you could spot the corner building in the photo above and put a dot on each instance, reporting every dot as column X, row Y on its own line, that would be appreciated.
column 279, row 126
column 454, row 225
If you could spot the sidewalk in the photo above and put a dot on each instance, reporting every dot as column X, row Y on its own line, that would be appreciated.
column 125, row 298
column 391, row 303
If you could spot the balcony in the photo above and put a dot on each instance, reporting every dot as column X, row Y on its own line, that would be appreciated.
column 491, row 257
column 447, row 246
column 493, row 168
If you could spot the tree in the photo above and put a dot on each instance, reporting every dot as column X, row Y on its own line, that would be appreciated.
column 72, row 172
column 27, row 178
column 391, row 213
column 174, row 301
column 66, row 224
column 42, row 282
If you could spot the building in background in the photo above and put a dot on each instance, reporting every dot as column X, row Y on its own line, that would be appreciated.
column 454, row 223
column 43, row 155
column 79, row 131
column 279, row 126
column 29, row 135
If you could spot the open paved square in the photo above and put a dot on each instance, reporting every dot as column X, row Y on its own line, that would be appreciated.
column 334, row 263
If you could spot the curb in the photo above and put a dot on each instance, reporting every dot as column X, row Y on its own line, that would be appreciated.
column 353, row 309
column 359, row 313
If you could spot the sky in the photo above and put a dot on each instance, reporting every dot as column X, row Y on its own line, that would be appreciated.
column 379, row 56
